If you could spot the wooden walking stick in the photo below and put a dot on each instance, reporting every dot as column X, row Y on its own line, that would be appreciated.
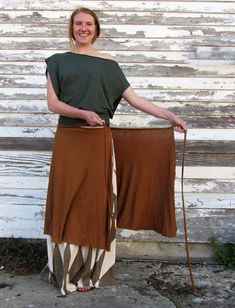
column 194, row 289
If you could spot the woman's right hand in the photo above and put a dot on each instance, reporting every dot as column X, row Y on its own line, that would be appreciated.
column 61, row 108
column 92, row 118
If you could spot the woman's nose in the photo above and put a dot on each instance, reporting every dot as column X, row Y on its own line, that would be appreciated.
column 83, row 27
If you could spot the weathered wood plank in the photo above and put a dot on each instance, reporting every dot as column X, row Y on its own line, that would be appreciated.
column 205, row 52
column 203, row 135
column 38, row 132
column 207, row 172
column 191, row 172
column 129, row 119
column 25, row 106
column 198, row 148
column 165, row 18
column 28, row 198
column 216, row 83
column 54, row 44
column 135, row 31
column 20, row 197
column 202, row 225
column 132, row 68
column 23, row 182
column 208, row 134
column 142, row 120
column 127, row 56
column 22, row 93
column 17, row 222
column 206, row 201
column 209, row 122
column 219, row 186
column 26, row 144
column 190, row 41
column 22, row 68
column 13, row 161
column 119, row 17
column 203, row 159
column 201, row 186
column 198, row 151
column 183, row 108
column 170, row 95
column 24, row 163
column 156, row 6
column 199, row 252
column 38, row 120
column 210, row 146
column 22, row 81
column 138, row 120
column 37, row 164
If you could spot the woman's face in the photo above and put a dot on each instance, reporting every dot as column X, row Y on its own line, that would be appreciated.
column 84, row 29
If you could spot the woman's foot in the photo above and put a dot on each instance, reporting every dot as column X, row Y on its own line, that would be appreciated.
column 84, row 289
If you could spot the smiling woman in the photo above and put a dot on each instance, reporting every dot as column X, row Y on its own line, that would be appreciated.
column 84, row 87
column 84, row 24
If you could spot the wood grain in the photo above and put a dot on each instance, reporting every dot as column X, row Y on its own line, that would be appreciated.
column 177, row 54
column 203, row 224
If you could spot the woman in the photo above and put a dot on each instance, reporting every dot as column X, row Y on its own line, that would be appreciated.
column 84, row 87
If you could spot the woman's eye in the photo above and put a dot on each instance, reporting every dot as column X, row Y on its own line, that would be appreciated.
column 79, row 24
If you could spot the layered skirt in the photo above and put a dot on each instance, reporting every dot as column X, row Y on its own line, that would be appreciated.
column 80, row 219
column 82, row 204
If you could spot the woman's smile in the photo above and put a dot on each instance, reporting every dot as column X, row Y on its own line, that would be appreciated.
column 84, row 28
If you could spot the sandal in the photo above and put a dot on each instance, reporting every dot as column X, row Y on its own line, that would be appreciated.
column 84, row 289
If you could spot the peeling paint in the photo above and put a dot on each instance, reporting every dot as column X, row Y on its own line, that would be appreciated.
column 178, row 54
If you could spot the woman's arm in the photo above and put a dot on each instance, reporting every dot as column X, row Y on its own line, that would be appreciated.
column 56, row 106
column 142, row 104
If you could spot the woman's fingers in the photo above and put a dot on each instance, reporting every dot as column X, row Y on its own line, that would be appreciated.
column 93, row 119
column 180, row 126
column 180, row 129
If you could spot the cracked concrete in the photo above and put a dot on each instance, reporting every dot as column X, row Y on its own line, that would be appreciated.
column 144, row 284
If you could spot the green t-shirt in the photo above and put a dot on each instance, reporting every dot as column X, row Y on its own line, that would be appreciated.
column 87, row 82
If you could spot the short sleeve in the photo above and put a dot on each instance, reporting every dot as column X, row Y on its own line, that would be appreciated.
column 53, row 70
column 118, row 84
column 121, row 83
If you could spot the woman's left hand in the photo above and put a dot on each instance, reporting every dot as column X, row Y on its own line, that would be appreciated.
column 142, row 104
column 179, row 125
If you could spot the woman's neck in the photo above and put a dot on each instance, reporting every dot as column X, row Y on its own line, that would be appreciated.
column 86, row 49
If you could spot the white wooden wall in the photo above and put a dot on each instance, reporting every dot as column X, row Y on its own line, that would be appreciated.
column 178, row 54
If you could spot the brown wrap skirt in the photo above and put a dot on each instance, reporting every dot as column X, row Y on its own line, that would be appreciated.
column 81, row 207
column 145, row 162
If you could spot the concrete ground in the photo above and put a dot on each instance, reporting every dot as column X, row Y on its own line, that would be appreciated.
column 138, row 284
